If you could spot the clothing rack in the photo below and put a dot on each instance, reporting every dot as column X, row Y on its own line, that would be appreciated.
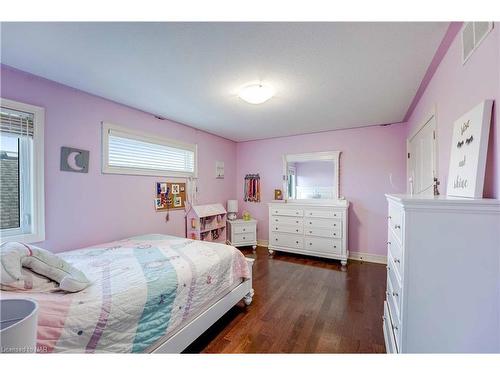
column 252, row 188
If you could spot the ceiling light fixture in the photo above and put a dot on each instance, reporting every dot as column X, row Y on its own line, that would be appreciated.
column 256, row 93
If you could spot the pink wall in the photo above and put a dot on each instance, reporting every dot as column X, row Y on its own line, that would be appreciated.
column 369, row 157
column 86, row 209
column 456, row 88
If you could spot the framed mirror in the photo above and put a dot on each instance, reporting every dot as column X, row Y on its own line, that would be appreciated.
column 311, row 176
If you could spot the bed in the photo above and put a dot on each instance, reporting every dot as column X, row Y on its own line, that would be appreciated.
column 151, row 293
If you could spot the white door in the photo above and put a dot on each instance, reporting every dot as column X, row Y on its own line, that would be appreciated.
column 422, row 159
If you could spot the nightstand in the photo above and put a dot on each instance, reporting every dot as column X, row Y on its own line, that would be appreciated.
column 242, row 233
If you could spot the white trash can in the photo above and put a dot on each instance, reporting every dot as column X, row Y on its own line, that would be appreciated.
column 18, row 325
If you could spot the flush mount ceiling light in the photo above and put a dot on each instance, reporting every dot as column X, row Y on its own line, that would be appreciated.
column 256, row 93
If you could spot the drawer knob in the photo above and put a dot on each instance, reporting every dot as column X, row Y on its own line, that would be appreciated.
column 397, row 260
column 395, row 327
column 388, row 268
column 244, row 229
column 334, row 246
column 310, row 231
column 296, row 222
column 297, row 213
column 296, row 242
column 397, row 226
column 296, row 230
column 389, row 217
column 310, row 243
column 310, row 222
column 388, row 242
column 395, row 294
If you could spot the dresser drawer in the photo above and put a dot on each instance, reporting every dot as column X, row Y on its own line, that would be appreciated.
column 286, row 240
column 323, row 232
column 323, row 223
column 395, row 254
column 393, row 298
column 390, row 340
column 243, row 237
column 287, row 220
column 287, row 212
column 326, row 245
column 395, row 220
column 244, row 228
column 294, row 229
column 392, row 274
column 326, row 214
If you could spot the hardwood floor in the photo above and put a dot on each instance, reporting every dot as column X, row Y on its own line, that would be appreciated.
column 303, row 305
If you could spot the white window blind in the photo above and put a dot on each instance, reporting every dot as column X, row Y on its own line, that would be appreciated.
column 136, row 153
column 16, row 123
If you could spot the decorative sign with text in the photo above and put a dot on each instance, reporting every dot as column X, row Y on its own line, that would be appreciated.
column 469, row 146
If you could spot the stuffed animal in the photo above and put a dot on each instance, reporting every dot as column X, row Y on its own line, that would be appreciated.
column 15, row 255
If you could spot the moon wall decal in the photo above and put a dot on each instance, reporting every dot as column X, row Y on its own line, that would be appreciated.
column 72, row 162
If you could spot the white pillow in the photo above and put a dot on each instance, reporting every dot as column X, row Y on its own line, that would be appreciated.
column 15, row 255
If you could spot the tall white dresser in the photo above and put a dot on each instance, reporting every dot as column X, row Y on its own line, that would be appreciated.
column 318, row 229
column 443, row 275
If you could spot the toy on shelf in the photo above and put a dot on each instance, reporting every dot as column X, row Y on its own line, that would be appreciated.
column 207, row 223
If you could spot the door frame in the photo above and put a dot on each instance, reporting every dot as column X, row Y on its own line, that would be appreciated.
column 431, row 114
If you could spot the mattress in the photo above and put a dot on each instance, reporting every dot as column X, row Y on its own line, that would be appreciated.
column 143, row 290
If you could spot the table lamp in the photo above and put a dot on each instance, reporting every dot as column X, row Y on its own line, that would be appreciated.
column 232, row 209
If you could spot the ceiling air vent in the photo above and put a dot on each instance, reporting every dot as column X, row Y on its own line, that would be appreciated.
column 473, row 33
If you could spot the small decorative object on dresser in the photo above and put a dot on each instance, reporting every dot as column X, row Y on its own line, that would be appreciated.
column 278, row 194
column 318, row 229
column 443, row 275
column 242, row 233
column 469, row 146
column 207, row 223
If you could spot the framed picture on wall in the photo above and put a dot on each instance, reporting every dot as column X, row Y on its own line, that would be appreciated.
column 469, row 147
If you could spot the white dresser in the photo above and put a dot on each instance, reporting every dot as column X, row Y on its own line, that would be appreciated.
column 443, row 275
column 242, row 233
column 318, row 229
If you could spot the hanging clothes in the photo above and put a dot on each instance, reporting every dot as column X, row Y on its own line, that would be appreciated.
column 252, row 188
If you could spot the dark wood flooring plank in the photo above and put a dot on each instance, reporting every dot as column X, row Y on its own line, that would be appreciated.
column 303, row 305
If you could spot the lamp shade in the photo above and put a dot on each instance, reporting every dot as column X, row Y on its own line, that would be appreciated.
column 232, row 206
column 18, row 325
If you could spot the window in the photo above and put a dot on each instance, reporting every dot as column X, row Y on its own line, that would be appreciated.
column 21, row 172
column 130, row 152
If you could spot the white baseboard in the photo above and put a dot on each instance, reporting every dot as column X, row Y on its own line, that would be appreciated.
column 367, row 257
column 263, row 243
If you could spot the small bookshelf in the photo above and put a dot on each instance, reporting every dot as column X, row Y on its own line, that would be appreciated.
column 207, row 223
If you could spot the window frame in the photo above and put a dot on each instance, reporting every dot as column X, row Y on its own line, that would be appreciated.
column 144, row 137
column 36, row 175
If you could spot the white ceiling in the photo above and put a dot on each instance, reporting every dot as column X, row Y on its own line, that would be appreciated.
column 326, row 75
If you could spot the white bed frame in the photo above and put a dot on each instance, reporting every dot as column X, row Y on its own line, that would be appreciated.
column 183, row 338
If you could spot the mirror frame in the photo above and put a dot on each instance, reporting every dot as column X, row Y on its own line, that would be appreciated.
column 333, row 156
